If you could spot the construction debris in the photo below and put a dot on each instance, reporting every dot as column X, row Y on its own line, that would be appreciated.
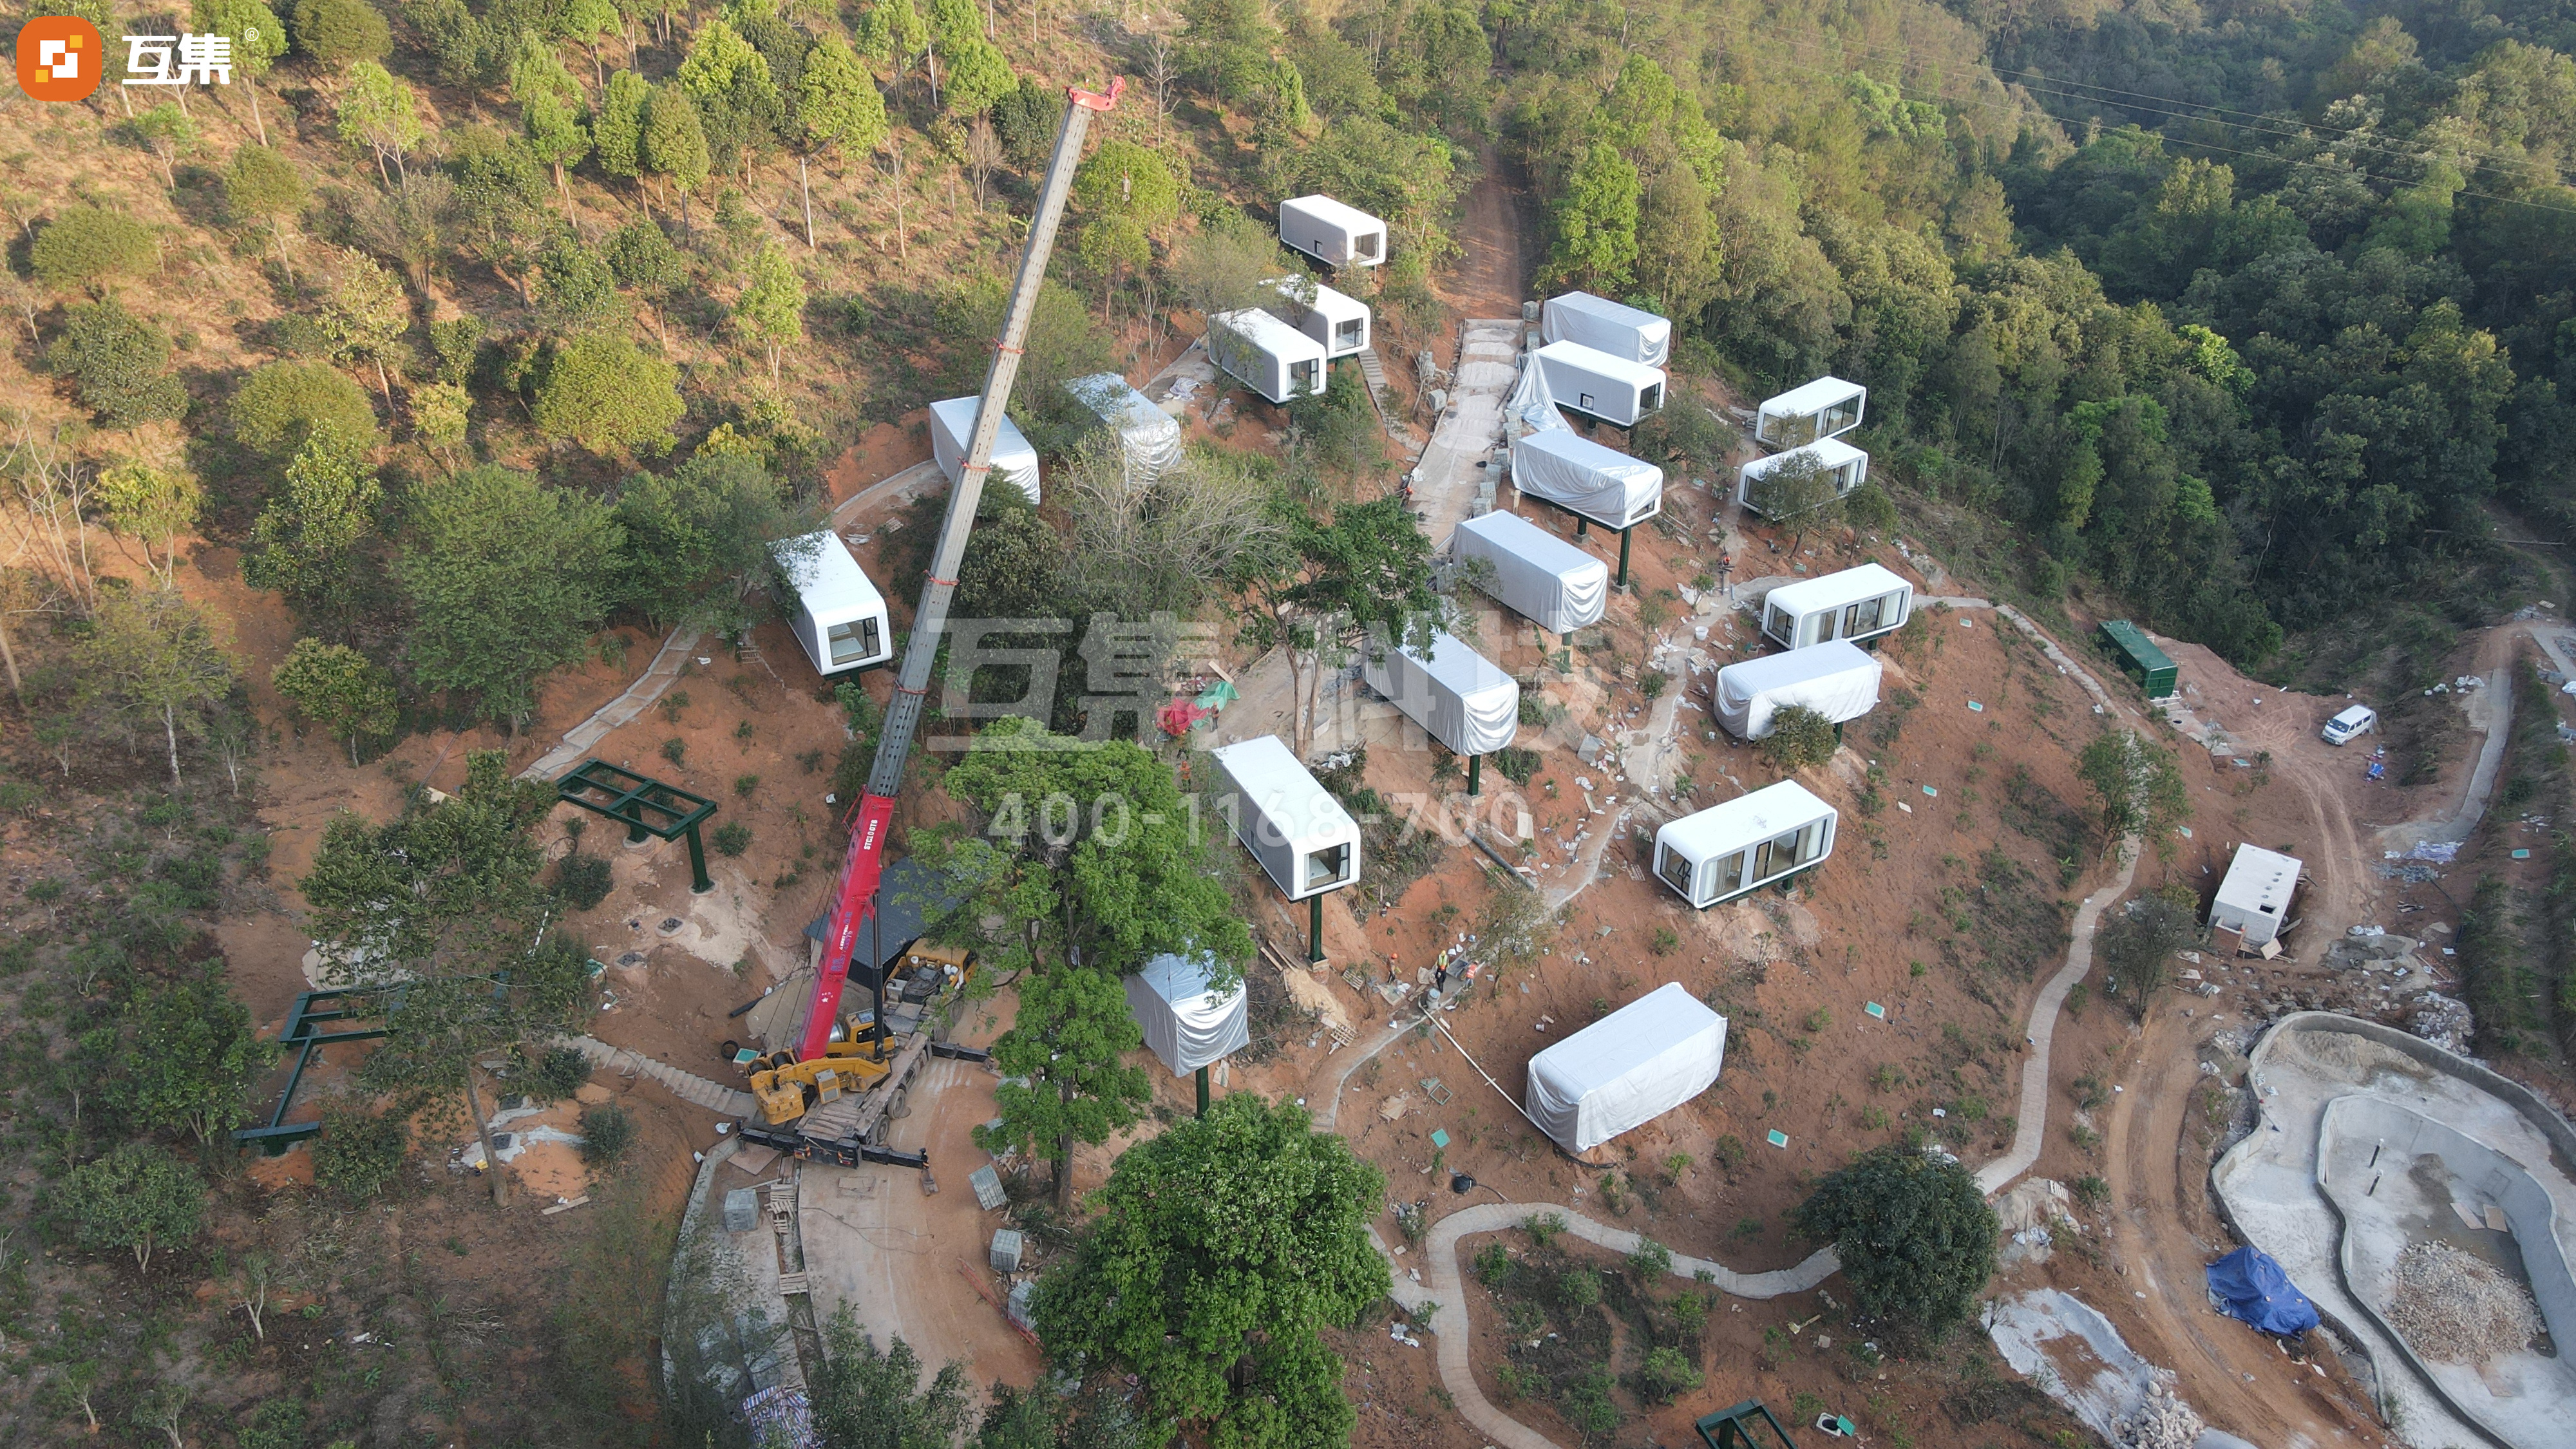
column 2454, row 1307
column 2162, row 1422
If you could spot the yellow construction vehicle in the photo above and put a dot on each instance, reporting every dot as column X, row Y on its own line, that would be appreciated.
column 862, row 1050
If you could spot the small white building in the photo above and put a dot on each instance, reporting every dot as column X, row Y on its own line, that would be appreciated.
column 1150, row 437
column 840, row 617
column 1335, row 319
column 1627, row 1069
column 2254, row 900
column 1846, row 465
column 1607, row 326
column 1453, row 692
column 1584, row 478
column 1533, row 572
column 1306, row 842
column 952, row 428
column 1187, row 1022
column 1836, row 679
column 1744, row 844
column 1331, row 233
column 1855, row 604
column 1826, row 408
column 1599, row 385
column 1266, row 355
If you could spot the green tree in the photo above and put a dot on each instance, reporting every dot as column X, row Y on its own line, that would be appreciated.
column 306, row 541
column 2138, row 786
column 119, row 364
column 167, row 132
column 1800, row 738
column 698, row 542
column 550, row 107
column 152, row 504
column 1595, row 222
column 618, row 127
column 675, row 140
column 1800, row 491
column 151, row 657
column 440, row 411
column 261, row 185
column 507, row 579
column 717, row 54
column 285, row 405
column 771, row 309
column 977, row 73
column 893, row 30
column 379, row 112
column 576, row 289
column 641, row 257
column 1317, row 588
column 185, row 1056
column 837, row 104
column 338, row 688
column 84, row 246
column 258, row 38
column 2138, row 944
column 1122, row 179
column 877, row 1399
column 609, row 395
column 1915, row 1236
column 138, row 1198
column 1219, row 1251
column 444, row 901
column 337, row 33
column 365, row 314
column 500, row 195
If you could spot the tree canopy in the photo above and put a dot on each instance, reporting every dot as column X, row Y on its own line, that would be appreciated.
column 507, row 579
column 1914, row 1234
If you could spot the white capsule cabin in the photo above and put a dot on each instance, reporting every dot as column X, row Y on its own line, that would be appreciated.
column 1586, row 479
column 1337, row 320
column 1836, row 679
column 1745, row 844
column 840, row 617
column 1596, row 384
column 1266, row 355
column 1846, row 465
column 2254, row 899
column 1331, row 233
column 1606, row 326
column 1826, row 408
column 1453, row 692
column 1306, row 842
column 1534, row 573
column 952, row 429
column 1149, row 437
column 1855, row 604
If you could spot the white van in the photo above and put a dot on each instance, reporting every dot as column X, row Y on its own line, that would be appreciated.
column 2344, row 728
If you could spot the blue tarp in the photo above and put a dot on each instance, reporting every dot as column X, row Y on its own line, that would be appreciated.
column 2249, row 1285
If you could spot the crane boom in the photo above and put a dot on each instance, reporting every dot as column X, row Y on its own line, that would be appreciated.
column 861, row 870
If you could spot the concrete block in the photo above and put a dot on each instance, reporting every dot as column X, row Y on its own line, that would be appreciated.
column 741, row 1210
column 1006, row 1250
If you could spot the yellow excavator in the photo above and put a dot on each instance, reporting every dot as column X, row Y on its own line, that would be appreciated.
column 858, row 1056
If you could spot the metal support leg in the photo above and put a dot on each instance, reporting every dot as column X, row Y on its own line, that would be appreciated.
column 1582, row 526
column 699, row 884
column 636, row 834
column 1475, row 774
column 1623, row 558
column 1315, row 929
column 1203, row 1090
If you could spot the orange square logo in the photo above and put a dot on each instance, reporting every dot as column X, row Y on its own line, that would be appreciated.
column 60, row 58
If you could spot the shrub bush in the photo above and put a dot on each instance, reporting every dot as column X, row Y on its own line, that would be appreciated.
column 559, row 1073
column 119, row 363
column 285, row 403
column 607, row 1131
column 85, row 245
column 582, row 880
column 1668, row 1375
column 359, row 1151
column 1516, row 764
column 732, row 839
column 1800, row 738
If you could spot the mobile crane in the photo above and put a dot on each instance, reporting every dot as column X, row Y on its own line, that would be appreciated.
column 829, row 1053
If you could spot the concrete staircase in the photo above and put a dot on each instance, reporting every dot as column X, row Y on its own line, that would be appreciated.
column 1373, row 368
column 716, row 1097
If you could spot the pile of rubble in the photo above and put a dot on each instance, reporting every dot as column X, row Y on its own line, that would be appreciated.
column 2161, row 1422
column 2441, row 1020
column 2454, row 1307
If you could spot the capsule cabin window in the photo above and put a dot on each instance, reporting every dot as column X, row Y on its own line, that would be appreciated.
column 1730, row 874
column 852, row 641
column 1676, row 868
column 1347, row 334
column 1327, row 866
column 1651, row 399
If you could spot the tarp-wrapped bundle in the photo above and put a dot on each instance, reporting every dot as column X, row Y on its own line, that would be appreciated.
column 1151, row 436
column 1626, row 1069
column 1606, row 326
column 1584, row 478
column 1186, row 1024
column 1533, row 406
column 1450, row 690
column 952, row 427
column 1536, row 574
column 2249, row 1285
column 1838, row 680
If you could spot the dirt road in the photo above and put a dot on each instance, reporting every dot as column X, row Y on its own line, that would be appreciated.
column 1493, row 272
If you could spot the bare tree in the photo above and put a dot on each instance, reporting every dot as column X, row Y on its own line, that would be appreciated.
column 983, row 153
column 45, row 503
column 1162, row 67
column 1156, row 544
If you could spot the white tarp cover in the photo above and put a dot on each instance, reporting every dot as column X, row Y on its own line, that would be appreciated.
column 952, row 427
column 1838, row 680
column 1581, row 476
column 1627, row 1069
column 1533, row 408
column 1185, row 1023
column 1287, row 815
column 1450, row 690
column 1607, row 326
column 1151, row 435
column 1538, row 575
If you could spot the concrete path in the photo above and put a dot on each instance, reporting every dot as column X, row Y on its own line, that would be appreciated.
column 1470, row 430
column 1387, row 1036
column 907, row 482
column 687, row 1086
column 2030, row 1126
column 638, row 697
column 1444, row 1291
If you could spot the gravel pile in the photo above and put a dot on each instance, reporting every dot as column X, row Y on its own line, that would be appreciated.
column 2454, row 1307
column 2162, row 1422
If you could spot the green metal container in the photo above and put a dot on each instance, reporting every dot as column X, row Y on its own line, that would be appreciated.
column 2149, row 665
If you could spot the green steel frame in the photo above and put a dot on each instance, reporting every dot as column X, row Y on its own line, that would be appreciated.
column 1735, row 1428
column 645, row 806
column 304, row 1034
